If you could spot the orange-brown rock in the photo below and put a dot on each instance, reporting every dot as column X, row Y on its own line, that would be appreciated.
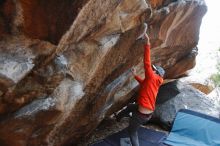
column 65, row 65
column 203, row 88
column 157, row 4
column 7, row 9
column 51, row 19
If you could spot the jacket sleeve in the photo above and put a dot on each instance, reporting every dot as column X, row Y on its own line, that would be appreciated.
column 147, row 62
column 138, row 79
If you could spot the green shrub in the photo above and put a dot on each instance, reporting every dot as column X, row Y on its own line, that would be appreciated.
column 216, row 77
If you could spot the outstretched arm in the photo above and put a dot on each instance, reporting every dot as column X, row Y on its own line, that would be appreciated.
column 147, row 59
column 133, row 70
column 147, row 38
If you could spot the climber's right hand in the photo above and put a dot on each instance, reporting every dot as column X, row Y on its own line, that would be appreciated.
column 133, row 70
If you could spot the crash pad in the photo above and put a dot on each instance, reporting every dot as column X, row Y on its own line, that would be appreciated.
column 147, row 137
column 192, row 128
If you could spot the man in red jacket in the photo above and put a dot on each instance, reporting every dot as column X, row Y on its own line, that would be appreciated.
column 142, row 111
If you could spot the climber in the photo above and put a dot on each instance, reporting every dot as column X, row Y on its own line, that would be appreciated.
column 142, row 111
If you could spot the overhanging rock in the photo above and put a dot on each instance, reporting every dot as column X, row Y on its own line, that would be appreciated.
column 68, row 61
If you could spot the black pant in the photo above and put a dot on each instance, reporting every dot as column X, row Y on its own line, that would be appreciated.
column 131, row 107
column 135, row 122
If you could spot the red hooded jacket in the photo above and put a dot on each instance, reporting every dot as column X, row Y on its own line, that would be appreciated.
column 150, row 85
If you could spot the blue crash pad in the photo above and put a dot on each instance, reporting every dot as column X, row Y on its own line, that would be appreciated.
column 147, row 137
column 194, row 129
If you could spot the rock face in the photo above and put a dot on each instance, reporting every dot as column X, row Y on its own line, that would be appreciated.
column 64, row 65
column 182, row 96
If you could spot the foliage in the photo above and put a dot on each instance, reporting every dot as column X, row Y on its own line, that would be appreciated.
column 216, row 77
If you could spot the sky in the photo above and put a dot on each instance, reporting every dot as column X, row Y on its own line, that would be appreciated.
column 210, row 28
column 209, row 42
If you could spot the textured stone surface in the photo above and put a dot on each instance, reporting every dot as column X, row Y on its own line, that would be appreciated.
column 7, row 9
column 182, row 96
column 51, row 18
column 64, row 65
column 205, row 88
column 171, row 29
column 18, row 57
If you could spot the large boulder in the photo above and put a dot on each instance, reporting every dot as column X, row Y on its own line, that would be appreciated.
column 65, row 64
column 177, row 95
